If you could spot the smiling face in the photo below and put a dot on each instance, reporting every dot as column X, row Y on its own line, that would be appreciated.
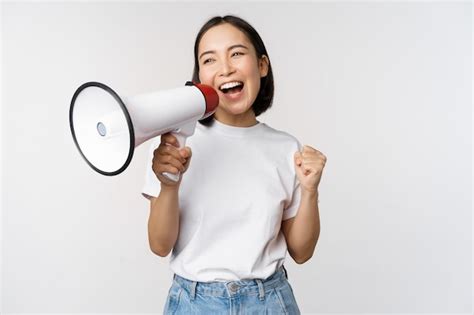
column 226, row 55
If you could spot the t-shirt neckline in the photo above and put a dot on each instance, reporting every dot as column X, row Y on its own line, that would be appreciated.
column 233, row 130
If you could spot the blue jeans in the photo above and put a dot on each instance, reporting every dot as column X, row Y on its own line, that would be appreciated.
column 273, row 295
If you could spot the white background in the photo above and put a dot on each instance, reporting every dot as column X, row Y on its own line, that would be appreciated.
column 383, row 89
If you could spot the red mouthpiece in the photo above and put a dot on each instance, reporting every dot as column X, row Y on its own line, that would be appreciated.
column 210, row 95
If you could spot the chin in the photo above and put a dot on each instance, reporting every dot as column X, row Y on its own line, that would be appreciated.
column 236, row 109
column 239, row 112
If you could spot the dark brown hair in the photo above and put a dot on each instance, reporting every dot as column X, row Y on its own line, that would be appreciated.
column 265, row 95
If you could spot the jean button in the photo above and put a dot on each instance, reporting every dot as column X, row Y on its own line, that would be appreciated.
column 233, row 287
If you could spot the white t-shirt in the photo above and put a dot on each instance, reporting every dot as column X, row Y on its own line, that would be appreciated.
column 240, row 184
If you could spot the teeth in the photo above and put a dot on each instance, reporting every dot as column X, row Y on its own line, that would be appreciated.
column 230, row 85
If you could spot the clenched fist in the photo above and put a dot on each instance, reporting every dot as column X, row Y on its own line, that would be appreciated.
column 169, row 158
column 309, row 165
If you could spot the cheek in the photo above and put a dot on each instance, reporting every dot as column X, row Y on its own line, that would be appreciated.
column 205, row 77
column 255, row 85
column 253, row 73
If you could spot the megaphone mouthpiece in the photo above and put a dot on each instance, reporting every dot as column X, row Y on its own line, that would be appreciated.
column 210, row 95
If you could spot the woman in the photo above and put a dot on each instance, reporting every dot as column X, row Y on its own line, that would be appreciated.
column 248, row 196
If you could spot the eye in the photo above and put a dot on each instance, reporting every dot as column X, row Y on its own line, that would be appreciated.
column 207, row 60
column 238, row 52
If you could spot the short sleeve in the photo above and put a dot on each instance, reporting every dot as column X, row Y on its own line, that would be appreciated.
column 291, row 209
column 152, row 185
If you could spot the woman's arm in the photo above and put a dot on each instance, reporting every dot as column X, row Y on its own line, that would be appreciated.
column 163, row 223
column 302, row 231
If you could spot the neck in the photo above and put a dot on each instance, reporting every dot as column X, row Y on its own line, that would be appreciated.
column 246, row 119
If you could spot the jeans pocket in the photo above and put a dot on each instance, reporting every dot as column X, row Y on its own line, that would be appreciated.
column 289, row 286
column 288, row 300
column 172, row 301
column 281, row 301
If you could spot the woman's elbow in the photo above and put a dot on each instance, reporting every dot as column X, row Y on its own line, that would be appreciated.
column 302, row 259
column 159, row 250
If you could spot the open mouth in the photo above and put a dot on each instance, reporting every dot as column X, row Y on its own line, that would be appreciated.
column 233, row 89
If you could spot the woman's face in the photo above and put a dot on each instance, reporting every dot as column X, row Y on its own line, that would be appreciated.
column 225, row 55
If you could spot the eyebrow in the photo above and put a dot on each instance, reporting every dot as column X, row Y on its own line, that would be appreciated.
column 228, row 49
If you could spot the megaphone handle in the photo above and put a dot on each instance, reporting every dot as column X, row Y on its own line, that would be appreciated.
column 182, row 141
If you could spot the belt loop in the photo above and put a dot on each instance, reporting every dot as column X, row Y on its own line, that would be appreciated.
column 261, row 290
column 193, row 290
column 286, row 273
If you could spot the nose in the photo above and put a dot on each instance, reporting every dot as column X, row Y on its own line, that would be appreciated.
column 226, row 69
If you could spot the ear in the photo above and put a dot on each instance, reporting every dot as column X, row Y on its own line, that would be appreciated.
column 263, row 66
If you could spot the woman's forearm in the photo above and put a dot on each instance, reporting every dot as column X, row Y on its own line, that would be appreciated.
column 306, row 227
column 163, row 223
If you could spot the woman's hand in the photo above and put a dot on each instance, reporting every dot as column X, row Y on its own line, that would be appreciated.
column 169, row 158
column 309, row 165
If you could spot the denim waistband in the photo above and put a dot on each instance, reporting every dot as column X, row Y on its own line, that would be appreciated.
column 231, row 288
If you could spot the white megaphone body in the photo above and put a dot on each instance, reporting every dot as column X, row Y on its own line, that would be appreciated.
column 107, row 128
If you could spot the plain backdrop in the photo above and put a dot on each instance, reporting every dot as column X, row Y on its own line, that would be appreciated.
column 383, row 89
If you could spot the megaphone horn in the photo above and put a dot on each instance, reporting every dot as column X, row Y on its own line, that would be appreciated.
column 107, row 128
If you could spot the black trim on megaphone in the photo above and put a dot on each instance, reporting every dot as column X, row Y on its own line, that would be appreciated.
column 127, row 117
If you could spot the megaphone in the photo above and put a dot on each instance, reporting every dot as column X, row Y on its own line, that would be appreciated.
column 107, row 128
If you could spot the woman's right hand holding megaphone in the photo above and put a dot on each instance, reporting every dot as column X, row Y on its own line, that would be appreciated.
column 169, row 158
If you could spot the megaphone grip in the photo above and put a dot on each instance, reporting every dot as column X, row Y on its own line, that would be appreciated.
column 182, row 141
